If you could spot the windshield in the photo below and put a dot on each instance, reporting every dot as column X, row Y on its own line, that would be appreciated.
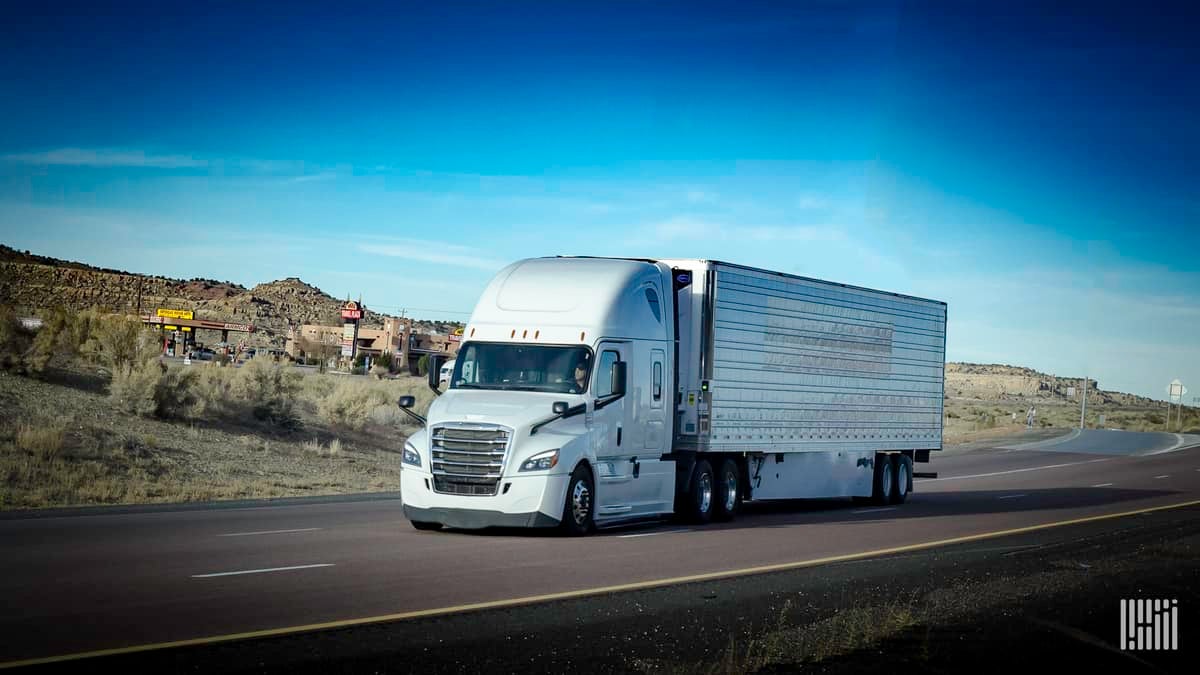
column 522, row 367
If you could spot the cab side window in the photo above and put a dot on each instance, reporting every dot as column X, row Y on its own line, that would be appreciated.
column 604, row 373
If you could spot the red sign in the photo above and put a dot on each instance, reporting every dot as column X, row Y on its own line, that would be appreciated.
column 351, row 313
column 455, row 338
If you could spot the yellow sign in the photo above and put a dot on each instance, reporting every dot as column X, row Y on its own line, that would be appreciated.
column 186, row 329
column 171, row 327
column 176, row 313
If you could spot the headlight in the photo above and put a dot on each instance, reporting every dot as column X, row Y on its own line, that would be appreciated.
column 411, row 456
column 541, row 461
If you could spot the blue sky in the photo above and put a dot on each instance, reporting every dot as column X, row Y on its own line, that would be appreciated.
column 1038, row 171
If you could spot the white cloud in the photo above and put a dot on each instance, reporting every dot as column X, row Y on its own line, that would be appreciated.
column 811, row 201
column 692, row 228
column 105, row 158
column 313, row 177
column 436, row 253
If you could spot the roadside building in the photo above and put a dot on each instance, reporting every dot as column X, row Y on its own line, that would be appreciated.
column 395, row 337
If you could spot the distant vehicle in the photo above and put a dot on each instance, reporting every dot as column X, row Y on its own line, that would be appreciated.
column 594, row 392
column 445, row 373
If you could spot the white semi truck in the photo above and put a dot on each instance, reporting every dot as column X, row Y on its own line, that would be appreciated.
column 595, row 391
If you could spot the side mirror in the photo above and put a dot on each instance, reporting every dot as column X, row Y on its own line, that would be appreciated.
column 618, row 378
column 407, row 401
column 559, row 407
column 436, row 361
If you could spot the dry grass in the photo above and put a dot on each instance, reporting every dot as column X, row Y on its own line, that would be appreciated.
column 45, row 441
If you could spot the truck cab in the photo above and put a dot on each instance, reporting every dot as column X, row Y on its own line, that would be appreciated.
column 558, row 408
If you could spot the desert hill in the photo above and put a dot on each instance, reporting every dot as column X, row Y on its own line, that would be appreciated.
column 33, row 284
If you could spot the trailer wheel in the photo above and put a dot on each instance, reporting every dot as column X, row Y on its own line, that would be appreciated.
column 901, row 478
column 577, row 517
column 728, row 493
column 882, row 491
column 424, row 526
column 700, row 504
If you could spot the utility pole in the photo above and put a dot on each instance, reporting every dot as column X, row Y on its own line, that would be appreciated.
column 1083, row 406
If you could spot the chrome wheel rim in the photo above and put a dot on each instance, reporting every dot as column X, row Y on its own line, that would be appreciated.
column 705, row 492
column 887, row 481
column 730, row 491
column 902, row 487
column 581, row 503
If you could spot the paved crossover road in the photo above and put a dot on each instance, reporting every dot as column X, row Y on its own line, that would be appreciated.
column 100, row 582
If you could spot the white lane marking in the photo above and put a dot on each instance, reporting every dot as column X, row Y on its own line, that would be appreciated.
column 886, row 508
column 1001, row 473
column 1037, row 445
column 1010, row 496
column 268, row 569
column 649, row 534
column 1103, row 485
column 1181, row 440
column 1161, row 477
column 250, row 534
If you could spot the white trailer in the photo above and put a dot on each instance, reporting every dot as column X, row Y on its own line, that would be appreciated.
column 595, row 391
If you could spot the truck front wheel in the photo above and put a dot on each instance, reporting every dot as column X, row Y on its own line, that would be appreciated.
column 577, row 515
column 728, row 497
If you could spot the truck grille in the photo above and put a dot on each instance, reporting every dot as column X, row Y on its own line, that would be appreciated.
column 468, row 459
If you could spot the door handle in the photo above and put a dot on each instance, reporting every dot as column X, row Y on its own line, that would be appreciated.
column 618, row 437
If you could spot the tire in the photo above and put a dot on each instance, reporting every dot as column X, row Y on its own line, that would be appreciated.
column 426, row 527
column 727, row 491
column 700, row 497
column 578, row 516
column 901, row 478
column 881, row 493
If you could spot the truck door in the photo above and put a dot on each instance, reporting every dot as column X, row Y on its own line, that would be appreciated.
column 615, row 490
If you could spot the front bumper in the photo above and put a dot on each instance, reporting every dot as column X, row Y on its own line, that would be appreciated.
column 528, row 501
column 474, row 519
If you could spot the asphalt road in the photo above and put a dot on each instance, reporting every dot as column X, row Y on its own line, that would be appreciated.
column 100, row 582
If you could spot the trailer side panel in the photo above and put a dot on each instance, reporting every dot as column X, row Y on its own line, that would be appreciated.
column 803, row 365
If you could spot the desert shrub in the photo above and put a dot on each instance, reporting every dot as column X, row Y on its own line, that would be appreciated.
column 15, row 341
column 44, row 440
column 378, row 371
column 387, row 415
column 269, row 389
column 119, row 342
column 134, row 385
column 952, row 415
column 423, row 365
column 351, row 403
column 384, row 360
column 212, row 389
column 151, row 388
column 174, row 393
column 1155, row 418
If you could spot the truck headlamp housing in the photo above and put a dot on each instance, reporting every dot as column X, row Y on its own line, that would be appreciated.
column 543, row 461
column 411, row 456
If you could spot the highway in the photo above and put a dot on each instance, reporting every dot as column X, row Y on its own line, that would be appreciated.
column 88, row 583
